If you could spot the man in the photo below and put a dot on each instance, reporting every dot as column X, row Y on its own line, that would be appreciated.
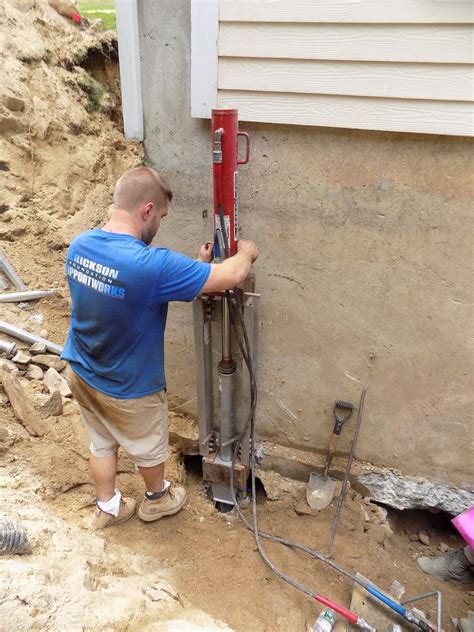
column 120, row 289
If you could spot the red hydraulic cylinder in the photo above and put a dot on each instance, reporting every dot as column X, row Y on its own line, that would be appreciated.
column 225, row 135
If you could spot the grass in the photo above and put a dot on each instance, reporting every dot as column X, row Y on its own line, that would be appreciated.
column 102, row 9
column 94, row 91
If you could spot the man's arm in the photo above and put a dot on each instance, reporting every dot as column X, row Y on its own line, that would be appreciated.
column 233, row 271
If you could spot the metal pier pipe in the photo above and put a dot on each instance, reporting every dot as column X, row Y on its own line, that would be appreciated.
column 11, row 274
column 8, row 348
column 26, row 336
column 226, row 369
column 19, row 297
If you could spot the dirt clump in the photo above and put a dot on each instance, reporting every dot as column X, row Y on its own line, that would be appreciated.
column 61, row 145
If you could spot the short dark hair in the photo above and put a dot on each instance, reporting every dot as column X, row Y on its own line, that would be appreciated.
column 140, row 185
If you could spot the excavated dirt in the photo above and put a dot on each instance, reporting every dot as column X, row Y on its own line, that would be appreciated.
column 61, row 150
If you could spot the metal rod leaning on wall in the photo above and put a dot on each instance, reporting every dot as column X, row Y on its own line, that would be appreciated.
column 10, row 273
column 20, row 297
column 26, row 336
column 347, row 472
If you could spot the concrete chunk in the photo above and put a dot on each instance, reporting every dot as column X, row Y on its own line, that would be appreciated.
column 22, row 358
column 8, row 365
column 53, row 406
column 14, row 104
column 54, row 382
column 38, row 348
column 22, row 406
column 33, row 372
column 48, row 361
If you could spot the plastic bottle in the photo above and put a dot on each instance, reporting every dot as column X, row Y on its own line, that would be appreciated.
column 325, row 622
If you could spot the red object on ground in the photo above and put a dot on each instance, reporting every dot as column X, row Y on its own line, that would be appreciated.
column 76, row 17
column 225, row 136
column 348, row 614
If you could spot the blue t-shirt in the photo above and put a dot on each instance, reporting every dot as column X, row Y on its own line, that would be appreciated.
column 120, row 290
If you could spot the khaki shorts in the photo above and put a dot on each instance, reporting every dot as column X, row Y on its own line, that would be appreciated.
column 139, row 426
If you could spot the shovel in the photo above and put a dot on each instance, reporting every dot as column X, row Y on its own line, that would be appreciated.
column 321, row 488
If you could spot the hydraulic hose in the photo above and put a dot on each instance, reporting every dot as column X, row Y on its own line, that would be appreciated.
column 244, row 346
column 235, row 312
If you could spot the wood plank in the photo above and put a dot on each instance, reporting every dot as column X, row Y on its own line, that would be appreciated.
column 204, row 56
column 397, row 115
column 363, row 11
column 394, row 80
column 356, row 42
column 24, row 410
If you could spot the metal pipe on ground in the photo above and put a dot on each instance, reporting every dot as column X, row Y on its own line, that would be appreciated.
column 26, row 336
column 19, row 297
column 10, row 273
column 8, row 348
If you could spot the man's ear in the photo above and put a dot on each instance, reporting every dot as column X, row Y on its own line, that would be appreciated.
column 147, row 210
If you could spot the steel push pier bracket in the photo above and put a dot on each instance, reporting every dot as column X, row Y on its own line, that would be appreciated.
column 216, row 438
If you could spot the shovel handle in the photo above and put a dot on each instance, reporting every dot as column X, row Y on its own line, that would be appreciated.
column 340, row 421
column 331, row 452
column 339, row 405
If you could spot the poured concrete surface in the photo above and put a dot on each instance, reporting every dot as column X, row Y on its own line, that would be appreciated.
column 364, row 268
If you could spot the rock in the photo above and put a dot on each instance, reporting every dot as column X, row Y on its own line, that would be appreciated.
column 34, row 372
column 378, row 532
column 406, row 492
column 44, row 333
column 5, row 441
column 162, row 591
column 277, row 486
column 380, row 514
column 37, row 319
column 413, row 537
column 49, row 361
column 444, row 548
column 25, row 5
column 8, row 365
column 63, row 7
column 38, row 348
column 53, row 406
column 21, row 404
column 10, row 123
column 424, row 538
column 22, row 358
column 303, row 509
column 14, row 104
column 54, row 382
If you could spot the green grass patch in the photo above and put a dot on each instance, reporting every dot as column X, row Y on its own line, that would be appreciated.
column 99, row 9
column 94, row 91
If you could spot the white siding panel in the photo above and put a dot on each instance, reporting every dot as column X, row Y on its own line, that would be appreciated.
column 432, row 117
column 363, row 42
column 363, row 11
column 406, row 81
column 204, row 56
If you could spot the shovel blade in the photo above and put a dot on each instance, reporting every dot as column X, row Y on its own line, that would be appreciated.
column 320, row 491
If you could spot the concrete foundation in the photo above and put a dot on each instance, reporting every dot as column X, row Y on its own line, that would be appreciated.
column 364, row 269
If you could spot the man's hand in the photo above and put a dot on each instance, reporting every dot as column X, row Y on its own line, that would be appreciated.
column 206, row 252
column 247, row 246
column 232, row 271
